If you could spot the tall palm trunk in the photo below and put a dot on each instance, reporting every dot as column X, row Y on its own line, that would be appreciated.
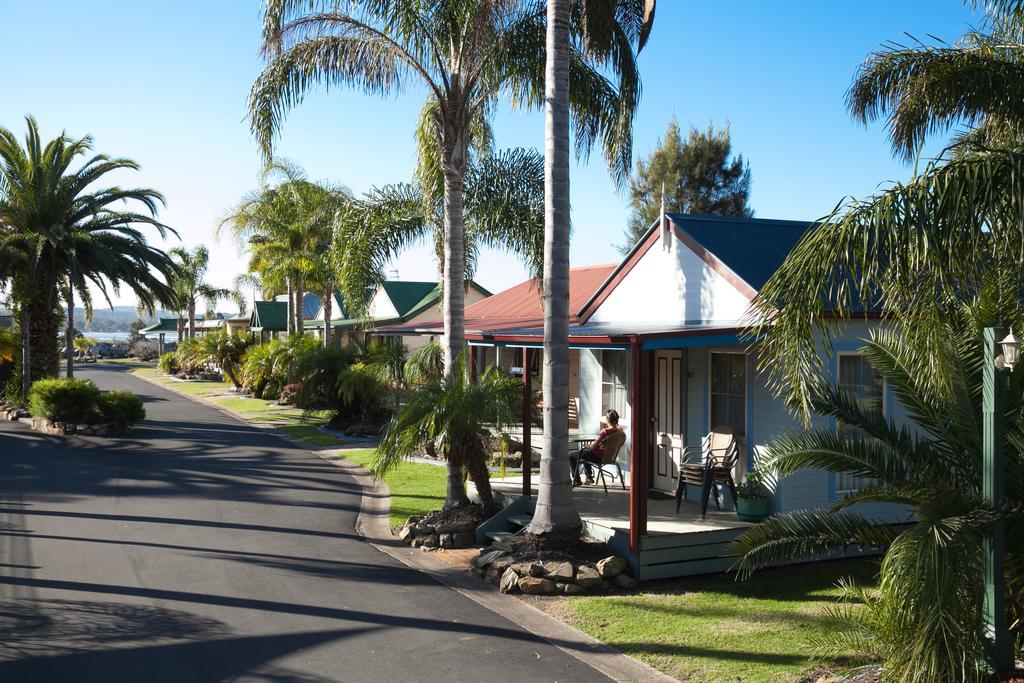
column 555, row 510
column 454, row 270
column 181, row 327
column 291, row 308
column 300, row 313
column 192, row 317
column 69, row 334
column 26, row 351
column 328, row 305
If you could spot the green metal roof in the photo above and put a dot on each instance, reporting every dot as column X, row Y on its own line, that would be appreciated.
column 409, row 298
column 269, row 316
column 164, row 325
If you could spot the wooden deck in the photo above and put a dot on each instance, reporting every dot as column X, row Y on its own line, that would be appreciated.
column 675, row 545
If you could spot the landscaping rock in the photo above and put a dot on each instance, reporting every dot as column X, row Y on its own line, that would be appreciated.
column 521, row 568
column 424, row 529
column 486, row 558
column 503, row 546
column 413, row 519
column 446, row 541
column 571, row 589
column 509, row 581
column 559, row 571
column 492, row 574
column 464, row 540
column 478, row 572
column 431, row 541
column 457, row 528
column 501, row 564
column 587, row 577
column 405, row 533
column 536, row 570
column 533, row 585
column 625, row 581
column 417, row 542
column 612, row 566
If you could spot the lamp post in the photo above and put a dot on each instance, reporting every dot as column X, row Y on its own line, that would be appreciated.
column 995, row 378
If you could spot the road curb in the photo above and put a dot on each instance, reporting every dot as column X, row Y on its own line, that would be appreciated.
column 372, row 523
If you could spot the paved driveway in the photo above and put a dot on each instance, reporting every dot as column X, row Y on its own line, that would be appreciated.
column 201, row 549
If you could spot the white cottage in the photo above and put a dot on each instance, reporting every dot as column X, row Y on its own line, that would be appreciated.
column 659, row 341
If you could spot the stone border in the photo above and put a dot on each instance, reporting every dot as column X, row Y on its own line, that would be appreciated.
column 373, row 524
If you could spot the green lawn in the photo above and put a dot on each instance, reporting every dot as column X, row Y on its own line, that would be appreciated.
column 717, row 628
column 311, row 434
column 416, row 488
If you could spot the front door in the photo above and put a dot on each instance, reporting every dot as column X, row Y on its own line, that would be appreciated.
column 668, row 412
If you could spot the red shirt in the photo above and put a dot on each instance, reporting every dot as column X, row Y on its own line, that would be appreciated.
column 605, row 433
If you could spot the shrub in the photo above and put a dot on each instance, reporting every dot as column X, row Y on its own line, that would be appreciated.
column 63, row 400
column 123, row 408
column 288, row 393
column 169, row 363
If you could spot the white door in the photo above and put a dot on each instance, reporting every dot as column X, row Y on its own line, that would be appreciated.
column 669, row 411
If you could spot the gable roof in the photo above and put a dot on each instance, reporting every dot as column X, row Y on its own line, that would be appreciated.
column 752, row 248
column 269, row 316
column 518, row 306
column 310, row 304
column 746, row 251
column 162, row 326
column 409, row 298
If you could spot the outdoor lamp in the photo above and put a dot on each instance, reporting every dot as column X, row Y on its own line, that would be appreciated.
column 1011, row 351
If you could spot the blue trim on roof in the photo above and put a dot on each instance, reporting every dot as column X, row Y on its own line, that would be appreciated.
column 689, row 342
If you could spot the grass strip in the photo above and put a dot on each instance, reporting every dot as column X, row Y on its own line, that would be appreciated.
column 416, row 488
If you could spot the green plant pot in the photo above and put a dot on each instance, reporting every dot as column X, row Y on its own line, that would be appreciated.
column 752, row 509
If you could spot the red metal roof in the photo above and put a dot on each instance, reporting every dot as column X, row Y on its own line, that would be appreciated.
column 520, row 306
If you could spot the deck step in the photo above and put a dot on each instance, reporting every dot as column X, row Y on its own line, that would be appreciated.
column 500, row 535
column 520, row 520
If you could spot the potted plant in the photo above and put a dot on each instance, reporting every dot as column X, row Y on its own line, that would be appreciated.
column 752, row 496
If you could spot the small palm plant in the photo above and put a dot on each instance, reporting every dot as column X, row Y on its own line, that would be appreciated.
column 925, row 620
column 225, row 351
column 459, row 415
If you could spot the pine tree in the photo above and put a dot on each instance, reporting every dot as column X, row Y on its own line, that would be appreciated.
column 698, row 176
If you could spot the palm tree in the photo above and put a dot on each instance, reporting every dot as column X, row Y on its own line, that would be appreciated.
column 289, row 229
column 71, row 234
column 926, row 619
column 465, row 54
column 908, row 252
column 605, row 32
column 190, row 285
column 502, row 209
column 458, row 415
column 225, row 351
column 924, row 89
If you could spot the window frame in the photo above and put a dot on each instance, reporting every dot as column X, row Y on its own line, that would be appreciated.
column 859, row 353
column 746, row 389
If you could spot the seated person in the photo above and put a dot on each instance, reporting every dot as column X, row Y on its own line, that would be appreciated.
column 593, row 453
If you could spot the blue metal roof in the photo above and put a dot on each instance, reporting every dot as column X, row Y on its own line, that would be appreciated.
column 753, row 248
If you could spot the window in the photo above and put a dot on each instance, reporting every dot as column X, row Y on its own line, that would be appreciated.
column 855, row 374
column 613, row 381
column 728, row 392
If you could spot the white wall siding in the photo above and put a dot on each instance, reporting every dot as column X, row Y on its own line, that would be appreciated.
column 672, row 287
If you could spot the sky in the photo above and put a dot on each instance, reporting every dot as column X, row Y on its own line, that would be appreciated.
column 166, row 84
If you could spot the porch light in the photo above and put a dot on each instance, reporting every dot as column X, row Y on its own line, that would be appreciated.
column 1011, row 351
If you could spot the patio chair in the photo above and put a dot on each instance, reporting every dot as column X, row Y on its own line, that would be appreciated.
column 708, row 466
column 613, row 445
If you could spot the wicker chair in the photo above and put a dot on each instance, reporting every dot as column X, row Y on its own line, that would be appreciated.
column 708, row 466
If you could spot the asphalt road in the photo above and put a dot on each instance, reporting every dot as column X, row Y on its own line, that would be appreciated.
column 198, row 548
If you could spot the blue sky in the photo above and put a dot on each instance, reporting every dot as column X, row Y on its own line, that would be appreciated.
column 166, row 84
